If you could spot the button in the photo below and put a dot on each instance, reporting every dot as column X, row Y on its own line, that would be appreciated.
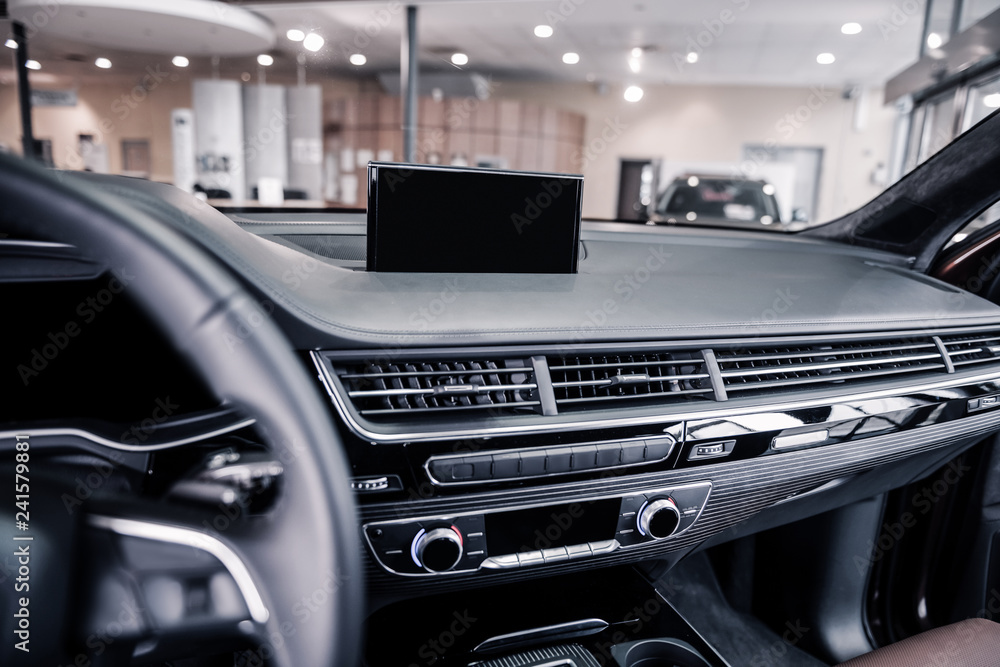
column 603, row 547
column 506, row 466
column 988, row 400
column 442, row 469
column 658, row 449
column 609, row 454
column 483, row 465
column 532, row 463
column 462, row 471
column 558, row 459
column 584, row 457
column 578, row 550
column 974, row 404
column 501, row 562
column 553, row 555
column 530, row 558
column 633, row 451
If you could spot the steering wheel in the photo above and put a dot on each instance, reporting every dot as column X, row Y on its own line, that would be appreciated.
column 306, row 548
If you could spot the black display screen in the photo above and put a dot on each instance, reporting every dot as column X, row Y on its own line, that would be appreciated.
column 460, row 220
column 551, row 526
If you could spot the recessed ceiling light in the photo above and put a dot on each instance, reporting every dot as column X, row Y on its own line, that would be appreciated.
column 992, row 100
column 693, row 181
column 10, row 43
column 358, row 59
column 825, row 58
column 33, row 64
column 934, row 40
column 571, row 58
column 103, row 63
column 851, row 28
column 637, row 52
column 768, row 189
column 265, row 60
column 633, row 94
column 295, row 35
column 459, row 59
column 180, row 61
column 543, row 31
column 313, row 42
column 634, row 64
column 692, row 57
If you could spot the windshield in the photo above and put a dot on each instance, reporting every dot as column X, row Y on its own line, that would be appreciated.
column 787, row 114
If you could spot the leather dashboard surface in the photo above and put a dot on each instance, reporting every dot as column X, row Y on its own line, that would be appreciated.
column 637, row 282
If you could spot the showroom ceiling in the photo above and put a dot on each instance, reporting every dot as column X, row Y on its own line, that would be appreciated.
column 743, row 42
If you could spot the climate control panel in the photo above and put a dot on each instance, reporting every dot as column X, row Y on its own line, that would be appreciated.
column 515, row 537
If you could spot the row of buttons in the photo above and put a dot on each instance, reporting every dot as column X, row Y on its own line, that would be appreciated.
column 554, row 555
column 983, row 403
column 547, row 461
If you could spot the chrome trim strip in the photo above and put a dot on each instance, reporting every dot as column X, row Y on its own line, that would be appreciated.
column 722, row 410
column 21, row 243
column 100, row 440
column 197, row 540
column 800, row 439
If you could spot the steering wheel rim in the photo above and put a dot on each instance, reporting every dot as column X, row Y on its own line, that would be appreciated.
column 308, row 541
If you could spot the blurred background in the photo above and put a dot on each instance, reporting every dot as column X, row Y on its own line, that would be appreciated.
column 776, row 113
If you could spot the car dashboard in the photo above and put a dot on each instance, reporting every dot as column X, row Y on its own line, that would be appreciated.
column 685, row 388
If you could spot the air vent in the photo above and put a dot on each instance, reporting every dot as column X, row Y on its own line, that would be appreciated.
column 494, row 387
column 635, row 378
column 967, row 351
column 784, row 367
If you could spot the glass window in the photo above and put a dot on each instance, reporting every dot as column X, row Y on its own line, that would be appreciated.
column 984, row 219
column 939, row 122
column 982, row 100
column 973, row 10
column 938, row 29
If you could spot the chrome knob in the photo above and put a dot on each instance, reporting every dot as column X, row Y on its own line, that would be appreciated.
column 659, row 518
column 437, row 550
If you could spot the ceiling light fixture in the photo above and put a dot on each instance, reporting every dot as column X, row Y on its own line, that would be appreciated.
column 934, row 40
column 692, row 57
column 693, row 181
column 459, row 59
column 265, row 60
column 635, row 65
column 637, row 52
column 825, row 59
column 180, row 61
column 33, row 64
column 103, row 63
column 543, row 31
column 295, row 35
column 313, row 42
column 633, row 94
column 358, row 59
column 11, row 43
column 992, row 100
column 851, row 28
column 571, row 58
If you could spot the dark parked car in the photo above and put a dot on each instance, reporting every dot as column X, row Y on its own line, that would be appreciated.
column 721, row 201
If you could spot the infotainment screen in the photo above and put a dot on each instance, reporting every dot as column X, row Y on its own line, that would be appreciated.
column 427, row 218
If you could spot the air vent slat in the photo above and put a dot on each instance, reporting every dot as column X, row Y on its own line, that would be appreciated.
column 812, row 353
column 812, row 380
column 799, row 368
column 506, row 386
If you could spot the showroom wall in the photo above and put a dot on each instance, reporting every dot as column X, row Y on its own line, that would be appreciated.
column 672, row 123
column 713, row 123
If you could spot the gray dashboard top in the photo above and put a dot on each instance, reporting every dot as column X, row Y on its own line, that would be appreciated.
column 636, row 283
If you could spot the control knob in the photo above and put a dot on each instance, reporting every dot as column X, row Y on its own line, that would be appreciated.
column 438, row 549
column 658, row 518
